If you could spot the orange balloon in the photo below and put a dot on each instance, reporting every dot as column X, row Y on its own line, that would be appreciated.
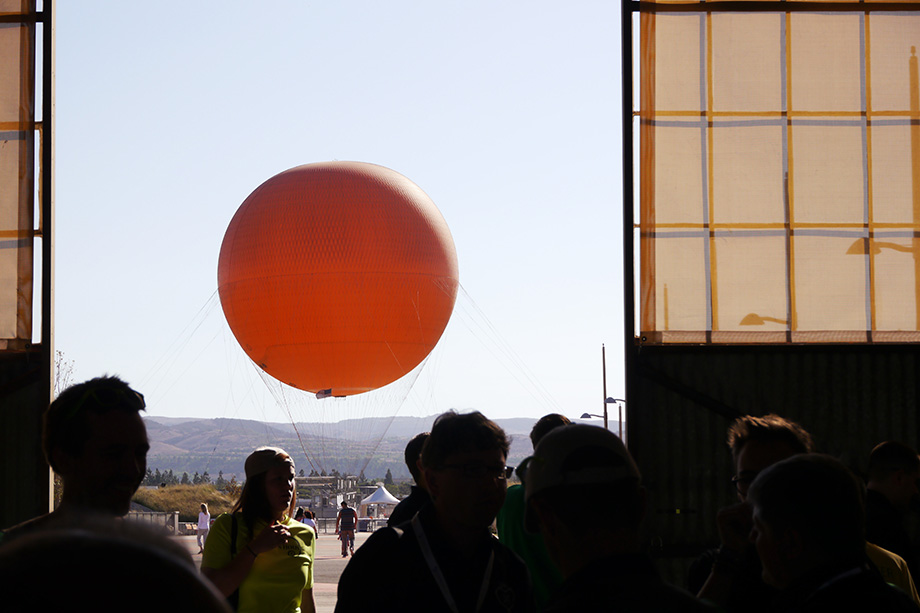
column 337, row 275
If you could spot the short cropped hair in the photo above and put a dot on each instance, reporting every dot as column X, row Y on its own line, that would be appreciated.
column 546, row 424
column 65, row 425
column 413, row 453
column 454, row 432
column 818, row 497
column 891, row 456
column 768, row 429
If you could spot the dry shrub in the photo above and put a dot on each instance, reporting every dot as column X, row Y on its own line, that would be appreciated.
column 186, row 499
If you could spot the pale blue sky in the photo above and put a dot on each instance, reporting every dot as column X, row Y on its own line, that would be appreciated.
column 506, row 113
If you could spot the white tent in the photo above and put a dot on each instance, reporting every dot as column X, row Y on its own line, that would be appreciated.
column 381, row 496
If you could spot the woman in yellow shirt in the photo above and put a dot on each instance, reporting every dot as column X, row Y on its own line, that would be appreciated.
column 257, row 555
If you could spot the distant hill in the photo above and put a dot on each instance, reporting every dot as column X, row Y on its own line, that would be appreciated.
column 221, row 445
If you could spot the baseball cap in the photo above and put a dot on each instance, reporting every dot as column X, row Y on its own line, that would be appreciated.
column 576, row 455
column 264, row 458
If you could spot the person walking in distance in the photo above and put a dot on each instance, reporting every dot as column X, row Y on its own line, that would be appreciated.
column 345, row 524
column 204, row 524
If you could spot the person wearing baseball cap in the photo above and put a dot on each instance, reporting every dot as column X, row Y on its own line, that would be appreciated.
column 600, row 561
column 257, row 555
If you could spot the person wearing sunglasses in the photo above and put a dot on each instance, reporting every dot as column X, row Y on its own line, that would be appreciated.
column 445, row 558
column 94, row 438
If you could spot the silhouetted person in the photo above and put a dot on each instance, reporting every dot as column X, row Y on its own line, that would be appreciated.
column 418, row 496
column 809, row 518
column 731, row 575
column 94, row 438
column 346, row 522
column 102, row 565
column 599, row 558
column 892, row 487
column 445, row 558
column 545, row 576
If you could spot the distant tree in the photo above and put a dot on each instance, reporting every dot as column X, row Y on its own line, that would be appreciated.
column 221, row 483
column 301, row 473
column 157, row 477
column 196, row 480
column 335, row 473
column 233, row 488
column 205, row 477
column 323, row 474
column 313, row 473
column 388, row 480
column 361, row 477
column 63, row 372
column 185, row 479
column 148, row 478
column 58, row 489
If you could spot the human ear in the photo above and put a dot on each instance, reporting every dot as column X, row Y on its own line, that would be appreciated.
column 431, row 482
column 62, row 461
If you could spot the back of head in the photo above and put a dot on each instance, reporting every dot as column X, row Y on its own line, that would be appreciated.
column 545, row 424
column 119, row 567
column 819, row 498
column 65, row 422
column 769, row 428
column 578, row 460
column 889, row 457
column 454, row 432
column 413, row 453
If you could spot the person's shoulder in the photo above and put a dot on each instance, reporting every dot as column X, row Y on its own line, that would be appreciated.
column 297, row 527
column 628, row 594
column 508, row 557
column 224, row 522
column 385, row 552
column 389, row 535
column 42, row 522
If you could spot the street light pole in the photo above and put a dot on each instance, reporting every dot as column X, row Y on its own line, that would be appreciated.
column 604, row 369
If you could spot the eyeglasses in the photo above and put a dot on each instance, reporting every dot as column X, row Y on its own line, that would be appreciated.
column 743, row 481
column 478, row 471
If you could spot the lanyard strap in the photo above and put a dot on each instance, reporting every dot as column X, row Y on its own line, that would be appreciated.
column 439, row 576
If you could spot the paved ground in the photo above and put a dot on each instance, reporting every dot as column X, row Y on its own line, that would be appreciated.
column 329, row 565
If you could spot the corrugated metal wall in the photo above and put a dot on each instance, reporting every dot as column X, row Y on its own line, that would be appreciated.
column 25, row 478
column 682, row 399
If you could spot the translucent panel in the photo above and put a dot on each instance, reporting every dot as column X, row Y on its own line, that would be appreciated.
column 678, row 82
column 830, row 289
column 895, row 282
column 747, row 62
column 751, row 274
column 892, row 196
column 826, row 62
column 780, row 174
column 748, row 169
column 679, row 192
column 893, row 38
column 17, row 102
column 681, row 283
column 829, row 182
